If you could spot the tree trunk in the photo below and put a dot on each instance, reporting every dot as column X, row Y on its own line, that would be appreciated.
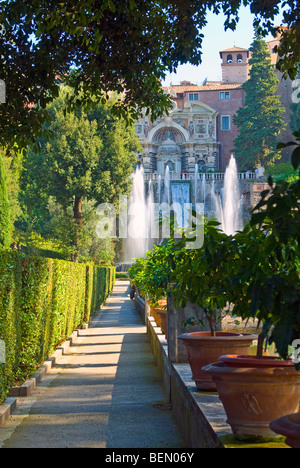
column 77, row 210
column 260, row 344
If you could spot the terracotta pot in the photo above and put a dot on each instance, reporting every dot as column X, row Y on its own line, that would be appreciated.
column 155, row 315
column 162, row 303
column 253, row 396
column 203, row 348
column 164, row 321
column 288, row 426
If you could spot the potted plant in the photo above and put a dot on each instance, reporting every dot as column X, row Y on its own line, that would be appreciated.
column 203, row 280
column 265, row 284
column 152, row 277
column 161, row 311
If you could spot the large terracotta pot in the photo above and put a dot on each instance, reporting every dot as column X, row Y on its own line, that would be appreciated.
column 164, row 321
column 288, row 426
column 155, row 312
column 203, row 348
column 155, row 315
column 255, row 391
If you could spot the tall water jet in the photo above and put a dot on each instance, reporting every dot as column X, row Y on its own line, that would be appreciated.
column 231, row 222
column 136, row 242
column 196, row 184
column 217, row 201
column 150, row 216
column 180, row 192
column 166, row 192
column 203, row 188
column 159, row 189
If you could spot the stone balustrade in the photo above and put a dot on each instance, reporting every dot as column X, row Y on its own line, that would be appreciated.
column 209, row 176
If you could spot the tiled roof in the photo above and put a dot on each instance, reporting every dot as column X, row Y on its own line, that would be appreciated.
column 234, row 49
column 205, row 87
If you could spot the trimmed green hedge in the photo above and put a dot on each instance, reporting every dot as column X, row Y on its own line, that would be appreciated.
column 10, row 312
column 42, row 301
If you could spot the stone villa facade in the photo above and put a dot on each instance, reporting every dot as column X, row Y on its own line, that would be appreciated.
column 200, row 129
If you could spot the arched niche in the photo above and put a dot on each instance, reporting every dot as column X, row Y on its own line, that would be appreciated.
column 163, row 131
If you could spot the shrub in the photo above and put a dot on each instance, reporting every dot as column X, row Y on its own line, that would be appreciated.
column 10, row 310
column 42, row 301
column 5, row 222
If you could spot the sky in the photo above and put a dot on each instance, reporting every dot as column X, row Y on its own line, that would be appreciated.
column 216, row 39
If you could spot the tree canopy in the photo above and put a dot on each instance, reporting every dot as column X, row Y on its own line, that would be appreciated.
column 87, row 157
column 99, row 46
column 260, row 120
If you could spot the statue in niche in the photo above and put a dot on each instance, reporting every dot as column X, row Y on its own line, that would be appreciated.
column 170, row 135
column 146, row 129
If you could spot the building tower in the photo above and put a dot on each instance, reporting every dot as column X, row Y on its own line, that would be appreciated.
column 235, row 65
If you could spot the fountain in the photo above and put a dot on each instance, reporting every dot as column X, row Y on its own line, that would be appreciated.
column 142, row 212
column 196, row 184
column 203, row 188
column 150, row 216
column 159, row 188
column 166, row 191
column 136, row 242
column 180, row 193
column 228, row 204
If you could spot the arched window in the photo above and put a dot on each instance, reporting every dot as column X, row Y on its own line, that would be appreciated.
column 229, row 58
column 240, row 58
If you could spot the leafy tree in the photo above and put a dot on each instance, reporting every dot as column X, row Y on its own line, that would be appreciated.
column 12, row 167
column 5, row 223
column 260, row 121
column 124, row 46
column 88, row 157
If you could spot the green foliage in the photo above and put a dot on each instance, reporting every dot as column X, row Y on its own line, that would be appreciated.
column 152, row 275
column 88, row 160
column 295, row 158
column 193, row 275
column 260, row 121
column 122, row 275
column 101, row 286
column 5, row 222
column 12, row 166
column 10, row 312
column 41, row 42
column 254, row 273
column 42, row 301
column 281, row 171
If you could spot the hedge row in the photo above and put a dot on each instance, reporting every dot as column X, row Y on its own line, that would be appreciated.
column 42, row 301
